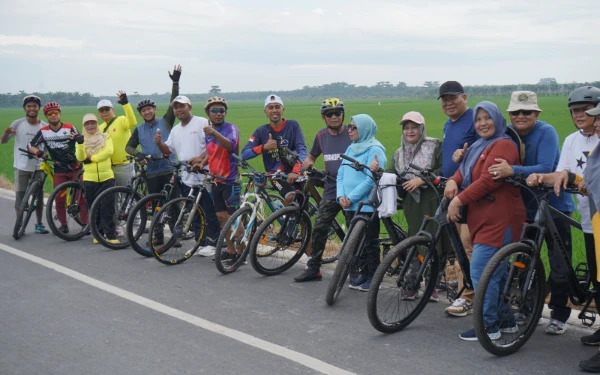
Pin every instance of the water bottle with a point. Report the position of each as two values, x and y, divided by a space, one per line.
277 205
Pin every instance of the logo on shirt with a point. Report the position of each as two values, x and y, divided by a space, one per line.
252 139
331 157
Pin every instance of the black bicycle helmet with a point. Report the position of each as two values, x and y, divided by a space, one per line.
32 99
145 103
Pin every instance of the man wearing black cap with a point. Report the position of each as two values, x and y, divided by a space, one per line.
459 133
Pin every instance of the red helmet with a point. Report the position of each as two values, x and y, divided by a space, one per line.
51 107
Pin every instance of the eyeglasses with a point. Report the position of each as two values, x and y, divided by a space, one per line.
525 113
352 127
90 123
217 110
104 109
330 114
52 113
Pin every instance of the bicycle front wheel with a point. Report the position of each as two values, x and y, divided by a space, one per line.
138 236
66 211
28 206
513 290
239 231
280 241
402 284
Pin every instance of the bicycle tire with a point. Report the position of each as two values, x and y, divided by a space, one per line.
26 209
159 222
94 213
71 211
255 256
342 269
222 265
400 251
134 238
535 295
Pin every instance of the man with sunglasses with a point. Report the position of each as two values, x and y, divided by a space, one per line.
24 129
272 141
541 156
119 129
59 139
330 141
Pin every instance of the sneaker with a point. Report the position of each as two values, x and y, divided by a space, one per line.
492 331
364 287
556 327
63 229
207 251
95 242
593 339
508 326
409 295
41 229
435 296
227 258
113 241
468 335
310 274
592 364
360 279
460 307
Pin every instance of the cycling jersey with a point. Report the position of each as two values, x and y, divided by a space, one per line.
220 161
119 129
99 169
60 147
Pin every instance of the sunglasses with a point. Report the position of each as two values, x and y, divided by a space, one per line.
52 113
337 113
352 127
217 110
516 113
104 109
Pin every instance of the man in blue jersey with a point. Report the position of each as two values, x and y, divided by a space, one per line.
272 141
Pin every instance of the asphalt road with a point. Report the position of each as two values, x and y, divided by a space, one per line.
79 308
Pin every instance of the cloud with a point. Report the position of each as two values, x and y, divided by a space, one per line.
40 41
318 11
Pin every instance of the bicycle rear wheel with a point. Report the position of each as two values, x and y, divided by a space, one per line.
402 284
138 236
342 269
70 198
280 241
516 314
179 242
28 205
240 231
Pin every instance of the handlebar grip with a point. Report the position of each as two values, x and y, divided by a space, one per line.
237 157
416 167
219 177
348 158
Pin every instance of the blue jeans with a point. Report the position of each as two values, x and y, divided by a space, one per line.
493 308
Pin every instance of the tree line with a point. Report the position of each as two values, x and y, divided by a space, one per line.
383 89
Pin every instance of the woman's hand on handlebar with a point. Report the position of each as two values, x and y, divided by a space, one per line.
454 210
451 189
413 184
374 167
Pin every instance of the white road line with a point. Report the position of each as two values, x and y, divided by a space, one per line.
255 342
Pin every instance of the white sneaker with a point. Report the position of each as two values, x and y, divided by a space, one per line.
460 307
207 251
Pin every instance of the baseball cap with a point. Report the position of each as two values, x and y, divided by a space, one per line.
413 116
594 111
104 103
89 117
451 88
525 100
273 99
181 99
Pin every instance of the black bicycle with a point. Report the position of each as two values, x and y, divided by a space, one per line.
67 211
355 242
521 292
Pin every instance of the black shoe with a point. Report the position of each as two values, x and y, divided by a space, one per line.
592 340
63 229
310 274
592 364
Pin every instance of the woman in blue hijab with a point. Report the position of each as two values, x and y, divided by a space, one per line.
354 186
494 222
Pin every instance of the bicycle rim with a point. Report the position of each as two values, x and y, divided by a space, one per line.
237 230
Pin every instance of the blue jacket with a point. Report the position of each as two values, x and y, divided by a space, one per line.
358 185
144 135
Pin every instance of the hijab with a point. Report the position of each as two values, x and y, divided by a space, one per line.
419 153
474 152
93 143
367 128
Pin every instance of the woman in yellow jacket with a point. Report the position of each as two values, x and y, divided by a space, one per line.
95 149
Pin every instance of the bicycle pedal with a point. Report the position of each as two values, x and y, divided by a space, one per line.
587 318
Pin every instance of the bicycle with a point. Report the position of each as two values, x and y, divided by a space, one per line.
241 225
34 191
179 214
144 211
522 289
123 198
354 243
72 195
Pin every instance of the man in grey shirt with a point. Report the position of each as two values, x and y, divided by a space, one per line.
24 129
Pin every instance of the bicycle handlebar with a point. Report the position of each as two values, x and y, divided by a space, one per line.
547 188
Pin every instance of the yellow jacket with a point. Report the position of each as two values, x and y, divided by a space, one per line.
120 131
100 169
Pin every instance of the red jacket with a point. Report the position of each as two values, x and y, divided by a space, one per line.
487 221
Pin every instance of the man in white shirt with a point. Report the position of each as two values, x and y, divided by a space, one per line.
24 129
187 141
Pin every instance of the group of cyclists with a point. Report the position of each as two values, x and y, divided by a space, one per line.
478 151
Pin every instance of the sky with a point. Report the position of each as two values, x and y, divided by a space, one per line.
256 45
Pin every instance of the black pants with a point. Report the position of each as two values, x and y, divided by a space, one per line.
370 257
558 281
105 217
590 254
328 209
213 228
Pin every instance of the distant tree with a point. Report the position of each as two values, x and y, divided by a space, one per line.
214 90
401 85
431 84
547 82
